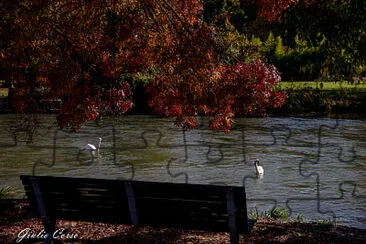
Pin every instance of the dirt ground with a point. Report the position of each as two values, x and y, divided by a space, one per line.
18 224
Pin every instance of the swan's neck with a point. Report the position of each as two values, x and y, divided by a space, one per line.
100 142
258 169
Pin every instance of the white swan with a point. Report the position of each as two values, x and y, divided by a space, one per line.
92 148
258 169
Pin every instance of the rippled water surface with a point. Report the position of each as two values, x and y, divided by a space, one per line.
316 167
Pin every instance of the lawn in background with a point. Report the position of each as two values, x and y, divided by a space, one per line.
293 85
298 85
4 92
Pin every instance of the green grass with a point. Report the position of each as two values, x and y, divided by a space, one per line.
7 192
276 213
293 85
282 214
4 92
298 85
300 219
329 222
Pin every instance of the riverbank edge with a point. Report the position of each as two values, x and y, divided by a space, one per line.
16 216
304 101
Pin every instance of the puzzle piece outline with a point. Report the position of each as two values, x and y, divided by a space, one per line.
319 199
273 129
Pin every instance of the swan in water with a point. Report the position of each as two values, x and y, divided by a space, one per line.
92 148
258 169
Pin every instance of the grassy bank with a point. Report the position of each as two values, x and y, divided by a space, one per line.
326 86
294 85
322 98
323 102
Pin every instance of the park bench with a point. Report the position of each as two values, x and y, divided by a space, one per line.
215 208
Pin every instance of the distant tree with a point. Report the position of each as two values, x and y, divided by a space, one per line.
279 50
337 27
270 44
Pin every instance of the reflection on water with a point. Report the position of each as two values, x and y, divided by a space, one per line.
316 167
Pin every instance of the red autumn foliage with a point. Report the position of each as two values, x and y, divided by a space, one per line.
271 10
239 89
82 52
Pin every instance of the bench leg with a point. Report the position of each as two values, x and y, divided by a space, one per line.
131 203
49 227
234 237
48 223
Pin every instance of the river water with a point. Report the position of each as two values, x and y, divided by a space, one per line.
316 167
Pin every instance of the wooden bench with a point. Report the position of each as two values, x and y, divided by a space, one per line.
187 206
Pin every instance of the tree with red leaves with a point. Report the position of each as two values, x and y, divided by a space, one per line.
86 52
271 10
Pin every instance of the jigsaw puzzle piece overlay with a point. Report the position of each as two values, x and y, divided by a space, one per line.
124 149
208 152
298 142
23 138
20 146
235 155
156 153
351 195
204 153
280 169
8 127
339 152
69 157
329 166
